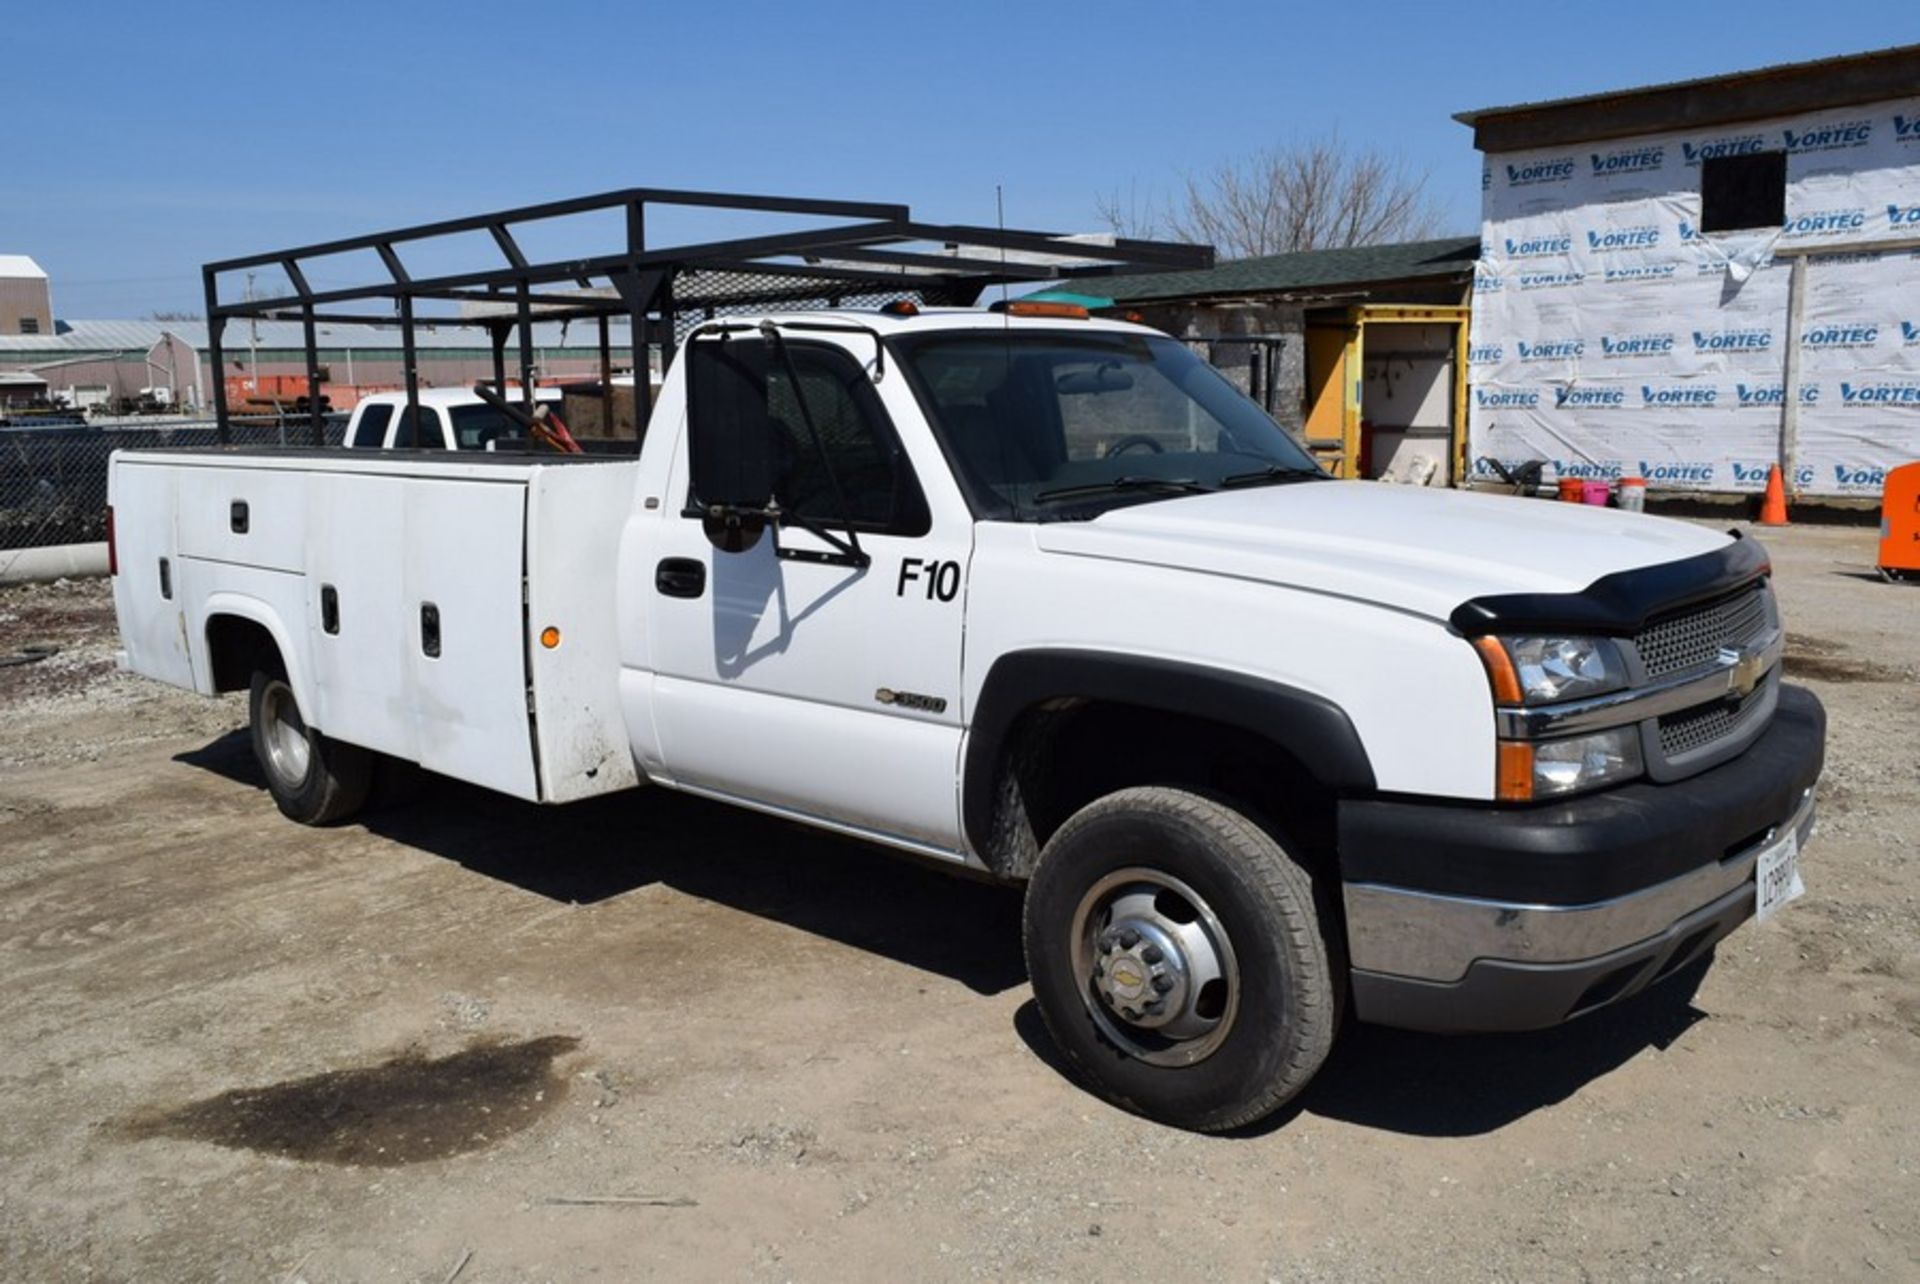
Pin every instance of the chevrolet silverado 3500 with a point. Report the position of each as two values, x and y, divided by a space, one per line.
1044 598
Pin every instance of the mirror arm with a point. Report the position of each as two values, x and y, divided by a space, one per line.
847 551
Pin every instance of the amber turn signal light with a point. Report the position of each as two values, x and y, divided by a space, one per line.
1515 772
549 637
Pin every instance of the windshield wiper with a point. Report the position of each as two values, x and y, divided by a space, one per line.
1171 485
1272 473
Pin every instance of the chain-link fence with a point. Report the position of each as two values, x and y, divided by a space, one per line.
53 480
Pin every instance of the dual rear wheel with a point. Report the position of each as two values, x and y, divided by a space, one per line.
313 778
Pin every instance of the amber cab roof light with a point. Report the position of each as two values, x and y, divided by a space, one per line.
1041 308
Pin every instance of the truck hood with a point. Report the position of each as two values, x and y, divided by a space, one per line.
1414 549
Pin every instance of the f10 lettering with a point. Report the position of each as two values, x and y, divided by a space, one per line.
940 581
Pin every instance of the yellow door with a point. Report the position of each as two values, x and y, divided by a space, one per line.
1328 352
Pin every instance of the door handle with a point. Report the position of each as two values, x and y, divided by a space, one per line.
680 577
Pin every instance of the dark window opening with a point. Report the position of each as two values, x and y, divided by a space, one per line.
29 325
742 380
372 429
1739 192
428 437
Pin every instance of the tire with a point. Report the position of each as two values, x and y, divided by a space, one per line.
1135 900
314 780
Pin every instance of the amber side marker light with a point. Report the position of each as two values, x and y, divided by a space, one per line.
549 637
1506 683
1513 768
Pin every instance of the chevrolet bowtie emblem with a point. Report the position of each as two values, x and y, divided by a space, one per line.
1747 667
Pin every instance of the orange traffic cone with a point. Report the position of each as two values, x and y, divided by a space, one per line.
1773 509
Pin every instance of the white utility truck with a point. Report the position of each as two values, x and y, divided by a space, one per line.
1041 597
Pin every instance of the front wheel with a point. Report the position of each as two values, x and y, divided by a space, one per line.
314 779
1178 959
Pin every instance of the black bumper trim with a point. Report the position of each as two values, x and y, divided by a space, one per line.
1594 848
1500 996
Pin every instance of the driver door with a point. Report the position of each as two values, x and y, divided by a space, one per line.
784 676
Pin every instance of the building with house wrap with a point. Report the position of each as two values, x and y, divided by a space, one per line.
1692 283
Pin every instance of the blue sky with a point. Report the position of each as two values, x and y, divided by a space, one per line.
149 138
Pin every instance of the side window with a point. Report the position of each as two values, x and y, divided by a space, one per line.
372 428
742 381
427 436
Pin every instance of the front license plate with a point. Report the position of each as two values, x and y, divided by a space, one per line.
1776 876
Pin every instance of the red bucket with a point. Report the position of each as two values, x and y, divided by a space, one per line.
1572 490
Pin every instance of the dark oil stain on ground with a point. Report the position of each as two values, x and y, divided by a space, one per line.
402 1111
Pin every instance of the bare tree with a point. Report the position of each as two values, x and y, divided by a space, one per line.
1314 195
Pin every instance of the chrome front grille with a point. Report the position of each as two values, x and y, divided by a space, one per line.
1697 640
1706 724
1693 638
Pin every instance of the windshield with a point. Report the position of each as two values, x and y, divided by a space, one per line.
1045 425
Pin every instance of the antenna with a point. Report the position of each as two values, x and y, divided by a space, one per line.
1003 431
1000 213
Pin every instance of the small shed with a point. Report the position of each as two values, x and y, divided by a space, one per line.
1362 351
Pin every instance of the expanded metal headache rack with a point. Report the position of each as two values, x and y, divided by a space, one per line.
873 254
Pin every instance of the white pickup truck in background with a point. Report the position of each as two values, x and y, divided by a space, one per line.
1044 598
448 419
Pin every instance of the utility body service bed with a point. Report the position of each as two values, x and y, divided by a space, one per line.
401 545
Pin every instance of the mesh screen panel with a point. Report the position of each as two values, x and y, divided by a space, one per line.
1693 638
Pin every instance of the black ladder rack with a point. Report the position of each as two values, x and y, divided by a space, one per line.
873 252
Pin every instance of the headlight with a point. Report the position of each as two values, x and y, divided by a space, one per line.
1573 764
1542 670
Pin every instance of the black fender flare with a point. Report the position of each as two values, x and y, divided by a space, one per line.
1310 727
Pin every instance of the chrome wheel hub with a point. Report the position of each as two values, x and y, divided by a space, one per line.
1155 967
288 753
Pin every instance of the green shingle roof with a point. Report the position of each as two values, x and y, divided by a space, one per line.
1308 270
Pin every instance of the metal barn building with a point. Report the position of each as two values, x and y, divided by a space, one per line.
1695 282
89 362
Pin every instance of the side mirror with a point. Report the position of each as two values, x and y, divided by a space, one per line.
730 441
733 530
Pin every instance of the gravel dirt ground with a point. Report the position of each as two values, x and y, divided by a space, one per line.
474 1039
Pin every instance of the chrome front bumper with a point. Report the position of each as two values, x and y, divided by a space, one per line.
1468 917
1431 937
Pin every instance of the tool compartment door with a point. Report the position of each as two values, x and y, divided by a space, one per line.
465 627
147 598
357 615
575 515
249 516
